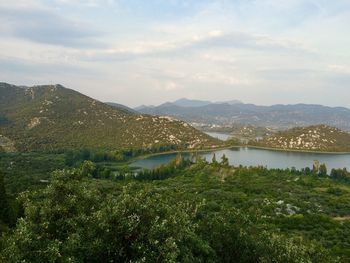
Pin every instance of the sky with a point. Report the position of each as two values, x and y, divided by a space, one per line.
137 52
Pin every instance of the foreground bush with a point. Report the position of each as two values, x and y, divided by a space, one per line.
73 220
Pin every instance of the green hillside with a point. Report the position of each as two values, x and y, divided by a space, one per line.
312 138
52 117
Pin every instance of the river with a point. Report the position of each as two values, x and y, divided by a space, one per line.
254 157
219 135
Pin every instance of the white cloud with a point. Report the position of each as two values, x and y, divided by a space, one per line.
266 51
342 69
45 25
88 3
172 86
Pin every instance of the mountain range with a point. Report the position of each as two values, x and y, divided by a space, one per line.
52 117
275 116
188 103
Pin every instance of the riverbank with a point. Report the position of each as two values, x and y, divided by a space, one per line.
237 146
253 157
141 157
293 150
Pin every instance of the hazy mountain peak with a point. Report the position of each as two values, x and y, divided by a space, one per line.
231 102
184 102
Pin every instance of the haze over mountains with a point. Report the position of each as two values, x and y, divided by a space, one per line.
53 117
184 102
235 112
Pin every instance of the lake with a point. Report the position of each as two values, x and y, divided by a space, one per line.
219 135
254 157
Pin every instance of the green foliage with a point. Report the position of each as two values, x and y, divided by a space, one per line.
312 138
88 169
213 160
164 171
335 191
323 170
224 161
340 174
180 212
27 171
71 220
4 203
51 118
234 237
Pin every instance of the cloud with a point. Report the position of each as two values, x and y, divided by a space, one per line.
172 86
266 51
212 40
245 40
43 25
341 69
88 3
25 66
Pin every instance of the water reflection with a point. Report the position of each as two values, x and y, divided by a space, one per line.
254 157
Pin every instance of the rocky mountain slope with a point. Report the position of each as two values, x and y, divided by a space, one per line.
53 117
276 116
313 138
121 107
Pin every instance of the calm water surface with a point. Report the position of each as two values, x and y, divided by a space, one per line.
255 157
219 135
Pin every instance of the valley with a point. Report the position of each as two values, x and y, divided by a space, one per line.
176 131
74 168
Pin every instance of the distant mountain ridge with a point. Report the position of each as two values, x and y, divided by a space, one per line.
52 117
188 103
191 103
121 107
275 116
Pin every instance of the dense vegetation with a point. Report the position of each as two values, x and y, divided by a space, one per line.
312 138
47 118
187 211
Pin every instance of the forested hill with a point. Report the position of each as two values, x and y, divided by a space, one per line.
314 138
53 117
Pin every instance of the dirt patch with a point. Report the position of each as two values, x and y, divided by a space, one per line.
341 218
6 144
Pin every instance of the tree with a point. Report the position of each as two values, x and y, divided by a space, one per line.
224 160
4 204
316 167
307 171
322 170
200 160
213 160
340 174
69 158
192 157
85 154
88 168
178 161
73 221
